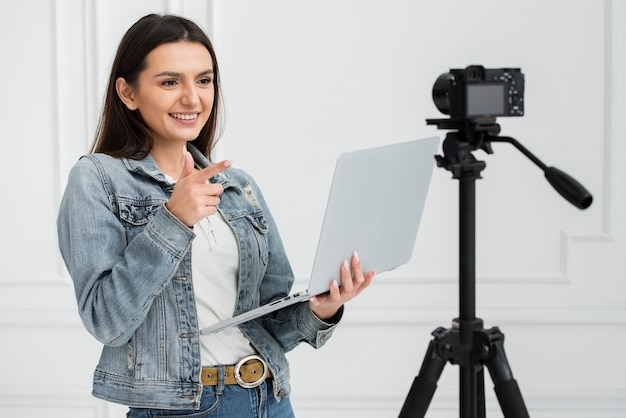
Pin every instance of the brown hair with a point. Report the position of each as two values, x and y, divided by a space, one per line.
122 132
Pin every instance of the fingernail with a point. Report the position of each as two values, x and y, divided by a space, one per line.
356 257
346 265
228 163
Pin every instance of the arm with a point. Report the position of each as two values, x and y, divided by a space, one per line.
115 281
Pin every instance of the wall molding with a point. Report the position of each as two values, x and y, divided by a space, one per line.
383 317
387 403
51 398
49 280
611 116
562 276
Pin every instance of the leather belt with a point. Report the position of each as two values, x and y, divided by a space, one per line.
248 373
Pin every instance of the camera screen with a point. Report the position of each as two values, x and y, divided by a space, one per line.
485 99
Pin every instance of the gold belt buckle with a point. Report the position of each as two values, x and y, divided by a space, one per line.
250 385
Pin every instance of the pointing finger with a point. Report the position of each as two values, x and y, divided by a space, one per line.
213 169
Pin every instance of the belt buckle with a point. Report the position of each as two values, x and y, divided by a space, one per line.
250 385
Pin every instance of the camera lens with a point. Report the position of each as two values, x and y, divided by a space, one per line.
441 92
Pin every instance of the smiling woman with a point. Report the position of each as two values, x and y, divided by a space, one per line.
158 54
145 283
174 96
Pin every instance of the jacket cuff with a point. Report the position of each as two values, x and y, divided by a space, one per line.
170 232
317 330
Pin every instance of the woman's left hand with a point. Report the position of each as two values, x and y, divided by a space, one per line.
353 281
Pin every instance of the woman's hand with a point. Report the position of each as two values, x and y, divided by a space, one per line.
193 198
352 283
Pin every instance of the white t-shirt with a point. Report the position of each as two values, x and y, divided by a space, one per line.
215 269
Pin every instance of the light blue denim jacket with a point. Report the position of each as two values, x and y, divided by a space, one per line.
130 261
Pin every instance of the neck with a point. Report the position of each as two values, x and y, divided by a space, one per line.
170 160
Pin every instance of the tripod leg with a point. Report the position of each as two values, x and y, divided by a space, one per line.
424 385
480 396
506 388
472 391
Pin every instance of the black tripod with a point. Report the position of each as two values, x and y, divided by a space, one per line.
467 343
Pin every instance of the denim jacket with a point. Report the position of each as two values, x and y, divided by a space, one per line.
130 261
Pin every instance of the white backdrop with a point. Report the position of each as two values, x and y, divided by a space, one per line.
304 81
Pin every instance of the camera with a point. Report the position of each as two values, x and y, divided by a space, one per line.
479 93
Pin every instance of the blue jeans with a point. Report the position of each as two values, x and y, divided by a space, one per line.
228 401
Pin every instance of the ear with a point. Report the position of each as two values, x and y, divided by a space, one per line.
125 93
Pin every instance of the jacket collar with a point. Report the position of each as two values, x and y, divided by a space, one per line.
149 168
146 167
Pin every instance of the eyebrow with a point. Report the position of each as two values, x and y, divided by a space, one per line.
175 74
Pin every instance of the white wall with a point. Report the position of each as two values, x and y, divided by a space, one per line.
304 81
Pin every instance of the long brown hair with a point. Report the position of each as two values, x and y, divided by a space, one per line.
122 132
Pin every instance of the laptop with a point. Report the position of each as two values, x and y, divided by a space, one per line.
375 205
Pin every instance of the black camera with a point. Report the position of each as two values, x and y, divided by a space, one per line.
478 93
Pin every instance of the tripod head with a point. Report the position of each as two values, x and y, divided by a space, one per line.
473 134
458 146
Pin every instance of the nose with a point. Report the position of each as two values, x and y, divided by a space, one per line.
189 95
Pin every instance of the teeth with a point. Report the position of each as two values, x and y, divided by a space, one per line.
184 117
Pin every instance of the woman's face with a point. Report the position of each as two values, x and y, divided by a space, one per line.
174 93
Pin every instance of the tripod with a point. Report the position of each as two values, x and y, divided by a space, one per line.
467 343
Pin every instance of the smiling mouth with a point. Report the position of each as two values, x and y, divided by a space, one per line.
185 116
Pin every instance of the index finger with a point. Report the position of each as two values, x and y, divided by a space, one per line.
213 169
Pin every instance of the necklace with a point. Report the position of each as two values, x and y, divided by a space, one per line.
208 232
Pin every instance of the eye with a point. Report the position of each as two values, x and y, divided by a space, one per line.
205 81
169 83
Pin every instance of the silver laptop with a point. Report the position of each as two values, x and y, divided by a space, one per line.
375 206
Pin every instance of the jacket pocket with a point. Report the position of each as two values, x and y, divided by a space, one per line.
137 212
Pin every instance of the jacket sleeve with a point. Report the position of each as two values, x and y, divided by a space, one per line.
115 281
297 323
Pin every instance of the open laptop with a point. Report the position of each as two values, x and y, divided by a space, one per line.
375 206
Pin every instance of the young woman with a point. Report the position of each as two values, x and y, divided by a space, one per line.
160 243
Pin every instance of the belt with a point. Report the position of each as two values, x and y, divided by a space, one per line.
248 373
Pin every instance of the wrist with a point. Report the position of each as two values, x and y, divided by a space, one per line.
328 316
177 217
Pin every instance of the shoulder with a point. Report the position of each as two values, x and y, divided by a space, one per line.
94 169
91 162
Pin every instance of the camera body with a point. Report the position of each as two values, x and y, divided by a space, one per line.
479 93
